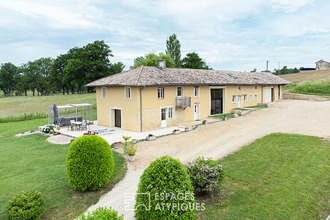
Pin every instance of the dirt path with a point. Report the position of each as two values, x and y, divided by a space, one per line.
220 139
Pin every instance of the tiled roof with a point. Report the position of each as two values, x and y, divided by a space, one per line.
153 76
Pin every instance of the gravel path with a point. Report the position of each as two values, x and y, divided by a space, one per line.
220 139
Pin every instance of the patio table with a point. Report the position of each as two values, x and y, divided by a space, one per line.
77 124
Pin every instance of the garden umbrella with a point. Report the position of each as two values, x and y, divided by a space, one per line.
56 119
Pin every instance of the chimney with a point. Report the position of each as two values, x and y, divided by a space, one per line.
162 64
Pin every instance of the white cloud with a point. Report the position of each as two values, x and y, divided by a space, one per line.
236 35
289 5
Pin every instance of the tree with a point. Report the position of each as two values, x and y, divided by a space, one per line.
7 82
116 68
193 61
173 47
151 59
254 70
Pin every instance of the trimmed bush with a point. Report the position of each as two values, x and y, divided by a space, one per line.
89 163
167 185
25 206
101 213
205 174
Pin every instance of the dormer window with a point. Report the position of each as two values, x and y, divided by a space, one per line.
239 88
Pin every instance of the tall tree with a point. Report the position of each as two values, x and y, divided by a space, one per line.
173 47
193 61
7 82
151 59
116 67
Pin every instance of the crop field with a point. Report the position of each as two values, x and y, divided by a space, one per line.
307 76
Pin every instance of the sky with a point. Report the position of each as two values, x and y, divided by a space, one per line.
228 34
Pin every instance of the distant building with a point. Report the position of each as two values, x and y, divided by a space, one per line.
303 69
322 65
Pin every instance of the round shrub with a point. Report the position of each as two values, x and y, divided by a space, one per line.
25 206
167 186
89 163
101 213
205 174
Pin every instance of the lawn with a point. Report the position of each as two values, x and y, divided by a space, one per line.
319 88
31 162
228 115
17 106
280 176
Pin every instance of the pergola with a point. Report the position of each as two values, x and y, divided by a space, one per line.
76 112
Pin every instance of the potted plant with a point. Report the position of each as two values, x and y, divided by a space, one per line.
151 137
186 129
176 131
116 144
224 118
131 151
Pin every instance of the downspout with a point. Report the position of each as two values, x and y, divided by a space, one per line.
141 108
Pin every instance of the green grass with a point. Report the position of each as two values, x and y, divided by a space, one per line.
243 109
228 115
257 106
30 162
280 176
319 87
15 107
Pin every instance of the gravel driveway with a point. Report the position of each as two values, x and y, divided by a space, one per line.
220 139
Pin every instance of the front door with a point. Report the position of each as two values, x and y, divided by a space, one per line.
239 102
196 112
163 117
118 118
216 101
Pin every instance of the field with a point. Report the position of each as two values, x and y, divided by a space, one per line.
18 106
307 76
31 162
280 176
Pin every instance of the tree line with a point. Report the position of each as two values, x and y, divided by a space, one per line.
284 70
173 57
68 73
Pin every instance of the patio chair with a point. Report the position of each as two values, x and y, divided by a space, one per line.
87 123
72 126
83 126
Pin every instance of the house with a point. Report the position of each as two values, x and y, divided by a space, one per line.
147 98
322 65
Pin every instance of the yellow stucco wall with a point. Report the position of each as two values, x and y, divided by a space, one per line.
151 114
115 99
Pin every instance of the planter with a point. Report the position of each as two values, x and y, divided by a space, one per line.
186 129
150 138
176 132
224 119
116 145
131 158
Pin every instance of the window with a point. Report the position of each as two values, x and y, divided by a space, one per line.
179 91
251 96
128 92
255 87
170 113
104 92
256 97
196 91
245 98
160 93
233 100
239 88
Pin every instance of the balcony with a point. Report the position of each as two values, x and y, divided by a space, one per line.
183 102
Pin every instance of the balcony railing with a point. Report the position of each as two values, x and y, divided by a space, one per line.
183 102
